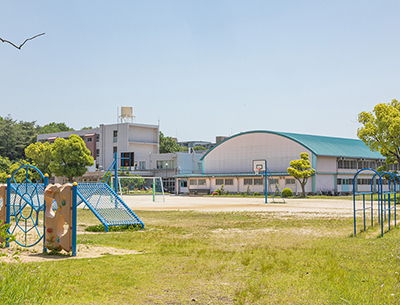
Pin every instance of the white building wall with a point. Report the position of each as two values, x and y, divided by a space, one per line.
237 154
326 164
325 182
148 144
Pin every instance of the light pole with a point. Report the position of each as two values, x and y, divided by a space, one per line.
166 173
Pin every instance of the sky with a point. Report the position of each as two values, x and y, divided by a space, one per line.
201 68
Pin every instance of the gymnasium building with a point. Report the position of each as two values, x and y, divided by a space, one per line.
231 163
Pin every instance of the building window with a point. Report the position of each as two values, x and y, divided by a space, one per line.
183 183
290 181
193 181
97 138
115 149
88 140
272 181
258 181
115 136
127 159
219 181
248 181
97 153
142 164
228 181
165 164
198 166
202 181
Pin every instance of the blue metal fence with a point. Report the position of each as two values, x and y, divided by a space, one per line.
382 200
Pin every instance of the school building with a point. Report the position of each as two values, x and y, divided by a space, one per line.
231 163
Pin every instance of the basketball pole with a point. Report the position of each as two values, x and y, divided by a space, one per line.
266 181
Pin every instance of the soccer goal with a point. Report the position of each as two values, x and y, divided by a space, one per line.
151 186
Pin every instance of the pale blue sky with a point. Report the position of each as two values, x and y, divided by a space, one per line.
204 68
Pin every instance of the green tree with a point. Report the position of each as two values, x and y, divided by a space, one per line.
168 145
8 138
301 170
199 148
20 175
70 157
25 135
40 153
5 164
381 130
53 127
136 183
15 137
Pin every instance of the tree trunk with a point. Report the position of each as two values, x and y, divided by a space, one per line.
303 189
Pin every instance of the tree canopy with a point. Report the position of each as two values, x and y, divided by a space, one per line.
14 137
168 145
70 157
40 153
53 127
381 130
301 170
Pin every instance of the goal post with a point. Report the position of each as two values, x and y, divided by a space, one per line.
128 185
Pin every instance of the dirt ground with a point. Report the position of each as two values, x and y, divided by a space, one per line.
214 203
327 207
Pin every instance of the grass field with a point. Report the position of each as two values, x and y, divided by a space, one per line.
219 258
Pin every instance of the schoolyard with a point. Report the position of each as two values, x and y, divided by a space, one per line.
215 250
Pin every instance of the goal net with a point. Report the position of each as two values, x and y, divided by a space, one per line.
150 186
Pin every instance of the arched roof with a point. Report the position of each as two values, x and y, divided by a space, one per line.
320 145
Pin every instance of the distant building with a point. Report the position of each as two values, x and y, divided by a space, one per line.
192 144
122 138
167 166
335 160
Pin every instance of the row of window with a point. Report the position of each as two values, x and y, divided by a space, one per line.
199 181
345 181
246 181
88 139
354 164
165 164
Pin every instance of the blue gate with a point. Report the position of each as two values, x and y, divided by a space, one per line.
25 199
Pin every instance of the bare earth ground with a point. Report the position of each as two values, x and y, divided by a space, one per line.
322 207
215 203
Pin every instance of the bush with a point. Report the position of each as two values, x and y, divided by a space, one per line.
217 191
248 191
227 192
256 194
222 192
287 193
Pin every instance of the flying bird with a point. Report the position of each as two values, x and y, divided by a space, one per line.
19 47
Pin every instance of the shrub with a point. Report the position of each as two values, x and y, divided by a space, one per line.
222 192
287 192
248 192
217 191
256 194
227 192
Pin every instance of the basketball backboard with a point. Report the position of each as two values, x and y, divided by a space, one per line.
259 166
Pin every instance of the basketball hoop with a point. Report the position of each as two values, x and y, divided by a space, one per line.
256 170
